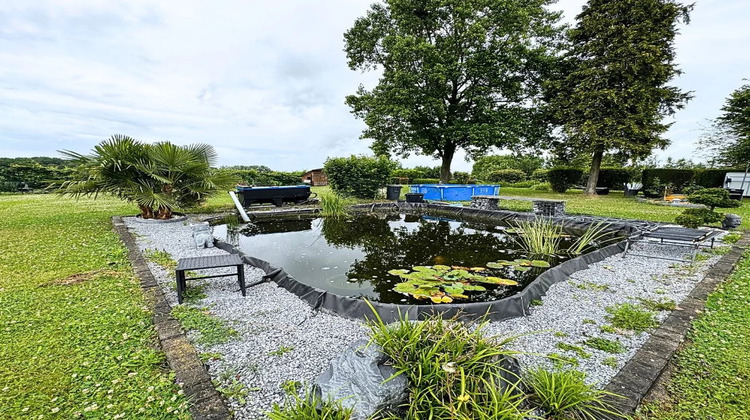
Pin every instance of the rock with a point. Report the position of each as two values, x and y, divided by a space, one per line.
357 376
731 221
203 235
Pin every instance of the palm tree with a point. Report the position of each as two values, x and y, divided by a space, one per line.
157 177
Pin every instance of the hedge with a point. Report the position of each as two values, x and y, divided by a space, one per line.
507 175
409 174
563 178
615 178
425 181
712 178
273 178
358 176
678 178
540 175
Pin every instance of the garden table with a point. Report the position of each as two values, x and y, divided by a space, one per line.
203 263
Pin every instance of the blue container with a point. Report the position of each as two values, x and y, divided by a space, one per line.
454 192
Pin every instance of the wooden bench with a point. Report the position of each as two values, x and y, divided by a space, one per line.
540 206
203 263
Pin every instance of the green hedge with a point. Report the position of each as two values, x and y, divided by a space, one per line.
409 174
426 181
615 178
539 175
273 178
712 178
563 178
509 176
358 176
678 178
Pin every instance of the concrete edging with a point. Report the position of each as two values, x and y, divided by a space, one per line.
643 370
205 402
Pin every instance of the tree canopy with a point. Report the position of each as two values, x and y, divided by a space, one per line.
728 139
613 92
456 74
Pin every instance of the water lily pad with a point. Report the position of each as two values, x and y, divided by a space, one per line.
540 263
441 267
458 296
453 290
398 272
478 269
498 280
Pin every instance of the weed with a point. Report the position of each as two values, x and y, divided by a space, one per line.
282 350
559 361
587 285
589 321
211 329
291 387
731 238
607 329
575 349
560 334
536 302
610 362
234 390
160 257
564 394
627 316
658 305
605 345
206 356
194 293
309 407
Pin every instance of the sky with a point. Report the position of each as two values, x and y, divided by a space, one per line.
263 82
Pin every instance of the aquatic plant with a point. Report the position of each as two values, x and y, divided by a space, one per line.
333 205
539 236
519 264
594 233
443 283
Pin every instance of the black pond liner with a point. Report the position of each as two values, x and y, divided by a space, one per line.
496 310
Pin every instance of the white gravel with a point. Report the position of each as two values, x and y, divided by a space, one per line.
270 318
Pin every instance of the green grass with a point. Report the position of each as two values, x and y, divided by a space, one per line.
160 257
76 337
578 350
712 375
658 305
605 345
211 330
627 316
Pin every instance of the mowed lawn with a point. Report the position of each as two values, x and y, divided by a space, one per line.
77 337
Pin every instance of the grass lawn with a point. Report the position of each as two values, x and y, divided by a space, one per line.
77 339
712 379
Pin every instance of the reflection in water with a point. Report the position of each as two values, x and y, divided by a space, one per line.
352 257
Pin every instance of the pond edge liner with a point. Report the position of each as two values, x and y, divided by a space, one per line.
204 401
496 310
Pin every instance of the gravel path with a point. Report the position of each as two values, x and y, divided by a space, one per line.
281 339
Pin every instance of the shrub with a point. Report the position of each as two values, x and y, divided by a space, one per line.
358 176
409 174
563 178
428 172
539 175
542 186
522 184
615 178
506 175
461 177
688 221
713 197
677 178
564 394
426 181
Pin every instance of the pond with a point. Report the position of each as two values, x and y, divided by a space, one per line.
396 258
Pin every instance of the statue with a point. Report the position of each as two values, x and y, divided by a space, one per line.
203 235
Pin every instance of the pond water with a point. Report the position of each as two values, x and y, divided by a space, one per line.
353 257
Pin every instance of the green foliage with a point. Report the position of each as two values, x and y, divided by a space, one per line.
454 369
615 178
711 178
257 177
35 173
522 184
627 316
433 97
408 174
713 197
462 177
595 232
485 165
539 175
506 176
333 205
428 172
689 221
728 139
677 179
282 350
658 305
610 362
157 177
561 179
443 284
539 236
613 94
358 176
565 395
605 345
76 334
543 186
710 376
578 350
731 238
608 329
694 218
161 257
211 329
560 361
426 181
309 407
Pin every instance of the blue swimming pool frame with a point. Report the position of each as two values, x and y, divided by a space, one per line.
454 192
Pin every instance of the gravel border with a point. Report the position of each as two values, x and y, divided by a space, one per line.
282 339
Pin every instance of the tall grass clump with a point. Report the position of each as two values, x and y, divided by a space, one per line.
455 372
594 233
333 205
565 395
539 236
309 407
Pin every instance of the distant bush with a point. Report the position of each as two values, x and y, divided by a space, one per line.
713 197
563 178
615 178
428 172
522 184
693 218
409 174
270 178
674 179
540 175
358 176
542 186
507 176
426 181
462 177
711 178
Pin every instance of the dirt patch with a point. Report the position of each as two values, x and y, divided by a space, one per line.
79 278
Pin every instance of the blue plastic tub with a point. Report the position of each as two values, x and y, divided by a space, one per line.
454 192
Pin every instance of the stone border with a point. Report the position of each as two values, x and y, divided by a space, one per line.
205 402
639 375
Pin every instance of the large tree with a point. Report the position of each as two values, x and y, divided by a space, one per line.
728 139
613 94
456 74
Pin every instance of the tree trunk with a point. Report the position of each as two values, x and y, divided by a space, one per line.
596 163
445 167
146 212
165 213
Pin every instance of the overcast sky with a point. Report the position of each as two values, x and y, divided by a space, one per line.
263 82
